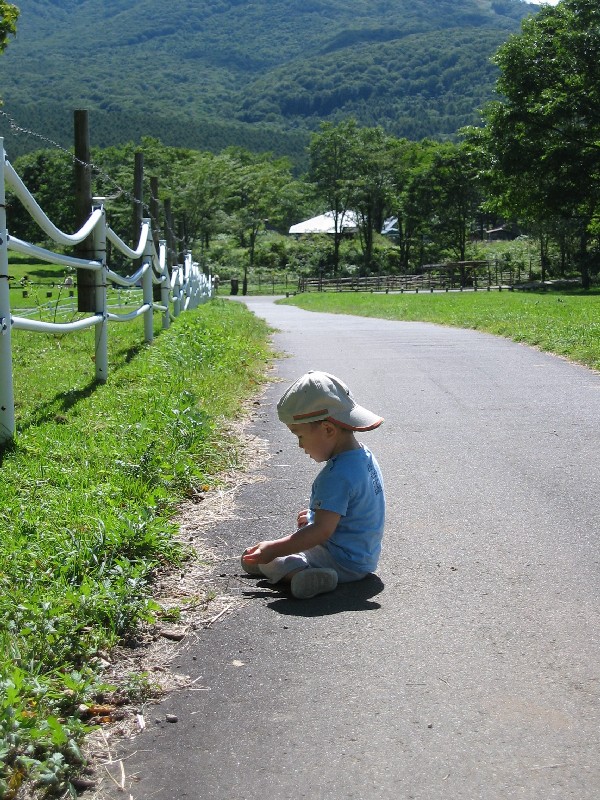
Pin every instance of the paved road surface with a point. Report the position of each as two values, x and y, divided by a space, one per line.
469 668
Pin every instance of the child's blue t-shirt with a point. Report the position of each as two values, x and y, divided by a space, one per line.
350 484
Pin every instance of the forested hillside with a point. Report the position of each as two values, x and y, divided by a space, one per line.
263 73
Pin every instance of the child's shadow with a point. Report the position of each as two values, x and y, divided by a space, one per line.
354 596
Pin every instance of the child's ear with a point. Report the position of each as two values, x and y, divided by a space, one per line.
330 428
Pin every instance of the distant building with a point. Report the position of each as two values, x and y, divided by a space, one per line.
502 234
325 223
390 228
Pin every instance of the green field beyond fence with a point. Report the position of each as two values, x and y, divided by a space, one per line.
46 288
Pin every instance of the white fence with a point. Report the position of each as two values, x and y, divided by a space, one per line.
182 287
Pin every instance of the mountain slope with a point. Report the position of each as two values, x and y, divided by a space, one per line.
417 67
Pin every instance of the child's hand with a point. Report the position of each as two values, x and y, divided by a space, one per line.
260 553
304 517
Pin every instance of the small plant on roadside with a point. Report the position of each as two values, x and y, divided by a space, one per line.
138 688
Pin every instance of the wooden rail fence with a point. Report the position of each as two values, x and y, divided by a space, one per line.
435 277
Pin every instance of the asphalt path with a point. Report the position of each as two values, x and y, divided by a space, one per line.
469 666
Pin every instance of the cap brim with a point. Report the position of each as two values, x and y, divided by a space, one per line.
359 419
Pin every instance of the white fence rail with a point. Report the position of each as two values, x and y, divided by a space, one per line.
182 287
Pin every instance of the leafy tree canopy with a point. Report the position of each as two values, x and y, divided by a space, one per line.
542 139
8 22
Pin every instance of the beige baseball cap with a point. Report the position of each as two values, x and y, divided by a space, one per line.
319 395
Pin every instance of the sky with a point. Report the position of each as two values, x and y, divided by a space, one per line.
545 2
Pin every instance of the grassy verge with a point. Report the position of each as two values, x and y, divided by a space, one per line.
87 496
566 323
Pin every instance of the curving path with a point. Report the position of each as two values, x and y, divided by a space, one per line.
470 668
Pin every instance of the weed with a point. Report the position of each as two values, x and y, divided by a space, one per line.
138 688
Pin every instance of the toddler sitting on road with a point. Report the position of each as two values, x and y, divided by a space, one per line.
338 538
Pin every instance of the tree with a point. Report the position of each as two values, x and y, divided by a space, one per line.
370 185
417 201
205 197
8 22
48 174
176 169
456 198
333 169
258 182
542 139
436 198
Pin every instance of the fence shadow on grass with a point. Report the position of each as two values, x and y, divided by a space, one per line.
6 448
129 353
53 410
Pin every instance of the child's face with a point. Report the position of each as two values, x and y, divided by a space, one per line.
316 439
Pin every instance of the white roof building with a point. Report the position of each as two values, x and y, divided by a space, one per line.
390 227
325 223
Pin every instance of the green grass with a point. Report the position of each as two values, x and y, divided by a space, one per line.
88 492
565 323
30 281
39 288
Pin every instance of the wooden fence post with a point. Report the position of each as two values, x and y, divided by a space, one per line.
180 242
173 269
86 279
7 400
138 201
157 288
170 236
